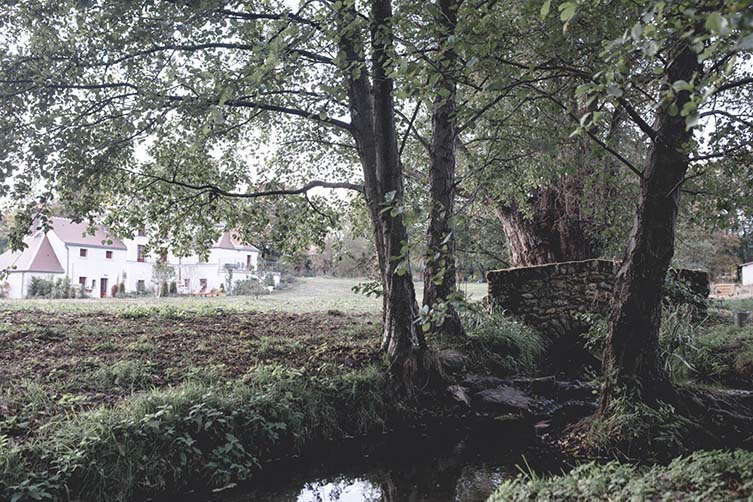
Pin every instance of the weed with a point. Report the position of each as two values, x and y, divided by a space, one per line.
504 345
125 374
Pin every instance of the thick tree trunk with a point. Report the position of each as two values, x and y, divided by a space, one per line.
631 359
440 273
555 231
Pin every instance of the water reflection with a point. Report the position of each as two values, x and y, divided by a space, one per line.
455 466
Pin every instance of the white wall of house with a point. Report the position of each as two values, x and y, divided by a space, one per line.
137 271
747 275
94 268
18 282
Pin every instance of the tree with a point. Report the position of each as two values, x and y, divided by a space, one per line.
197 79
440 273
677 64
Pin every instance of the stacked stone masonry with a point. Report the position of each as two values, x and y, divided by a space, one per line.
557 298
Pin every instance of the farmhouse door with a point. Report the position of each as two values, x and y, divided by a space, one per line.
103 287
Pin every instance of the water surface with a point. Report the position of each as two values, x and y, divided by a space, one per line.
445 466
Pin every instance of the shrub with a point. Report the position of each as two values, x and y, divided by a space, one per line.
249 287
51 288
114 290
121 289
173 288
164 289
269 280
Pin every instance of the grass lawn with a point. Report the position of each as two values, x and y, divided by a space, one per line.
310 294
59 357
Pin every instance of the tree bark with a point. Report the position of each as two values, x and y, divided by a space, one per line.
373 127
631 359
440 272
556 230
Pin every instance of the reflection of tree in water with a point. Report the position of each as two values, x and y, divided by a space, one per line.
442 479
428 481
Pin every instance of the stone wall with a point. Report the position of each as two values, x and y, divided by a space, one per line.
552 297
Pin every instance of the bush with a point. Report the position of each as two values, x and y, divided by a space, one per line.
51 288
121 289
702 476
164 289
114 290
173 288
249 287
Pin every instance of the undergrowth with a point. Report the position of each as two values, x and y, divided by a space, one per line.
694 350
195 434
498 344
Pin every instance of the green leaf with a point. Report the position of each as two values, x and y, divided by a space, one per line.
545 9
682 85
637 31
567 11
614 91
745 43
691 120
717 24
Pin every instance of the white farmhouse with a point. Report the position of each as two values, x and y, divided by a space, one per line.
96 261
100 261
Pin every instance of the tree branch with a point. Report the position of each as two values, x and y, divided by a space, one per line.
636 117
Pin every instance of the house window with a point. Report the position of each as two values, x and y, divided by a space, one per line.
140 286
83 252
248 261
108 255
140 253
203 284
186 282
82 281
94 283
142 232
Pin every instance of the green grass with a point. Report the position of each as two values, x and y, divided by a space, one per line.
702 477
310 294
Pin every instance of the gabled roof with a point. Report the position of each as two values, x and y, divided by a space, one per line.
78 234
38 256
229 241
225 242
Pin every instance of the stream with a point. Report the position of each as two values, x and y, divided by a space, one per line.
447 464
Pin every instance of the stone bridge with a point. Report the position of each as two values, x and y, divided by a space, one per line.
553 297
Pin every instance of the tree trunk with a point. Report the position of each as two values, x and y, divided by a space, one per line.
631 359
440 273
373 127
403 340
556 230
